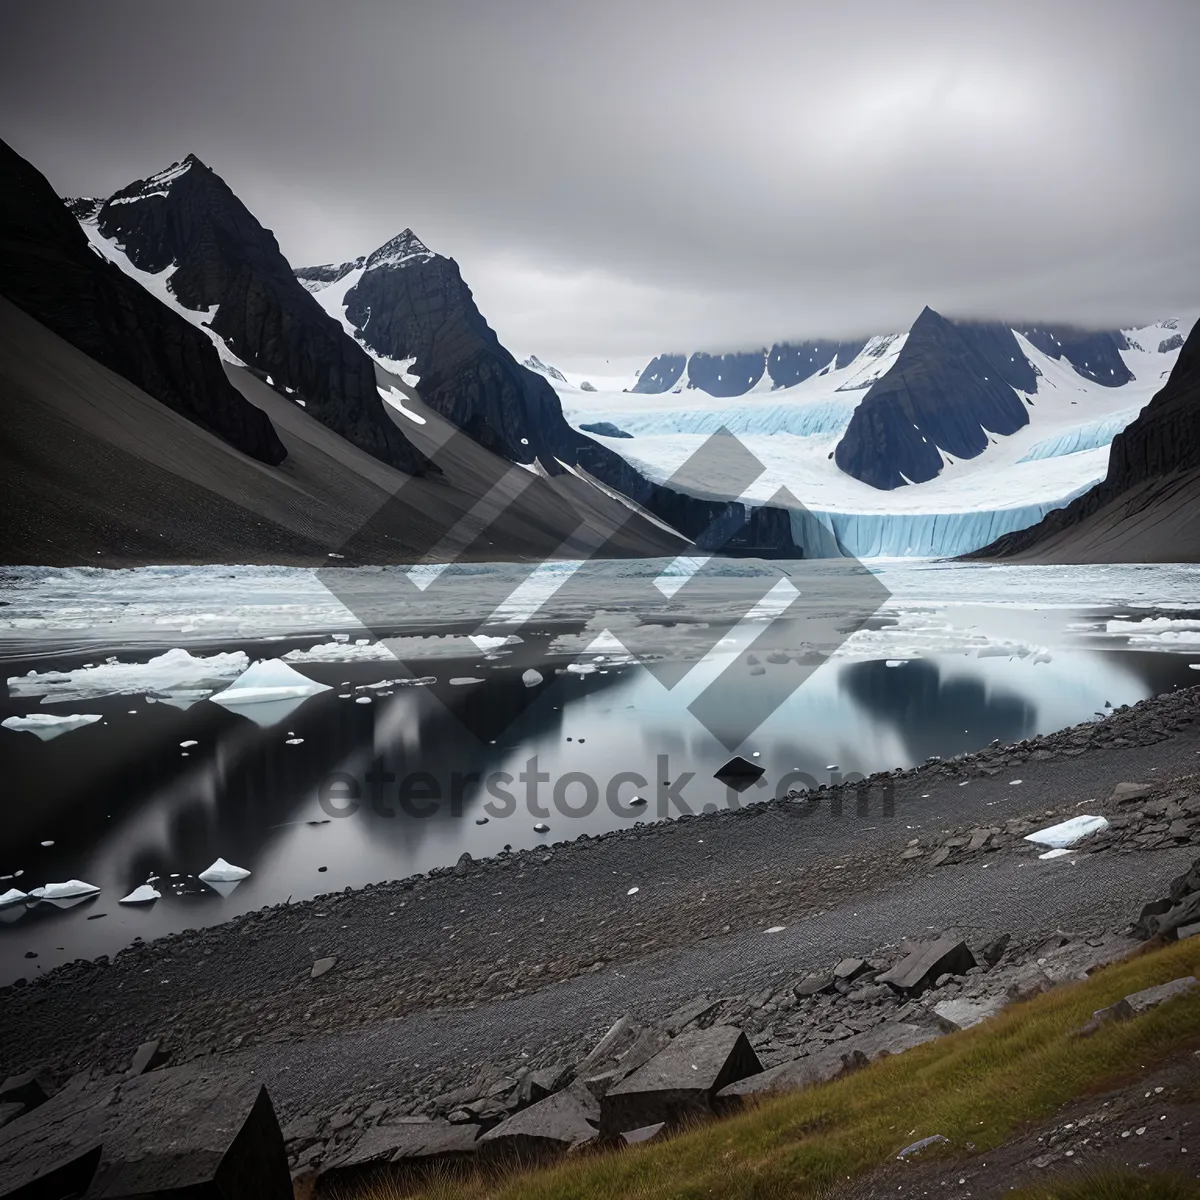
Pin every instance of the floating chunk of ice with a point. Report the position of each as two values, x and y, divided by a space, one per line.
461 680
64 891
266 680
531 678
169 672
223 872
339 650
12 896
145 894
190 742
1067 833
48 725
1058 853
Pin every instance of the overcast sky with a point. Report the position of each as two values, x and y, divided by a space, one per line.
627 176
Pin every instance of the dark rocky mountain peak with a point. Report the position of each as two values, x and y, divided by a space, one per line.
49 269
404 248
951 386
83 208
228 265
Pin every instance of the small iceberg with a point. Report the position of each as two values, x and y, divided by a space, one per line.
268 692
1067 833
12 896
267 680
142 895
531 678
72 889
223 872
48 725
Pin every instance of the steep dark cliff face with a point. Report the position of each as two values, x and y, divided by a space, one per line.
726 374
412 304
1160 446
1094 355
661 374
225 260
785 364
951 386
48 269
790 363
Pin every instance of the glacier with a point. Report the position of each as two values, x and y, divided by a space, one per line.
910 534
1092 436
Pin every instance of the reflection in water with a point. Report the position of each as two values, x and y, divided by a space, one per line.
122 800
935 715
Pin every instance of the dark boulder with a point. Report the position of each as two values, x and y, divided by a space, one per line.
739 771
552 1126
920 969
679 1082
173 1133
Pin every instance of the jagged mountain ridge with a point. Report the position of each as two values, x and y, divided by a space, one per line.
48 269
412 309
951 386
783 365
221 261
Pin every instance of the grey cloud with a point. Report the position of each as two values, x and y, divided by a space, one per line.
620 178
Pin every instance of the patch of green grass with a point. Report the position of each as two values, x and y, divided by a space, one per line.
978 1088
1115 1185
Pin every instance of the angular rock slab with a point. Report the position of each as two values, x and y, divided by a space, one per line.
680 1081
961 1013
174 1133
650 1133
30 1089
409 1143
916 972
893 1037
550 1127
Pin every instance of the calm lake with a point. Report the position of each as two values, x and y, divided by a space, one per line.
459 716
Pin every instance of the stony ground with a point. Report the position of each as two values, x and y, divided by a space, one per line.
475 973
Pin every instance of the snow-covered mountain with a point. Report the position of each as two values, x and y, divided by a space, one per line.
48 269
187 239
935 441
412 311
1145 509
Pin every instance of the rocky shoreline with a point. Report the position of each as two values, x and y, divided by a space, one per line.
496 934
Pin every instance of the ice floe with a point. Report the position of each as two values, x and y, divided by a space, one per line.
49 725
64 891
341 650
145 894
1067 833
12 896
168 672
531 678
